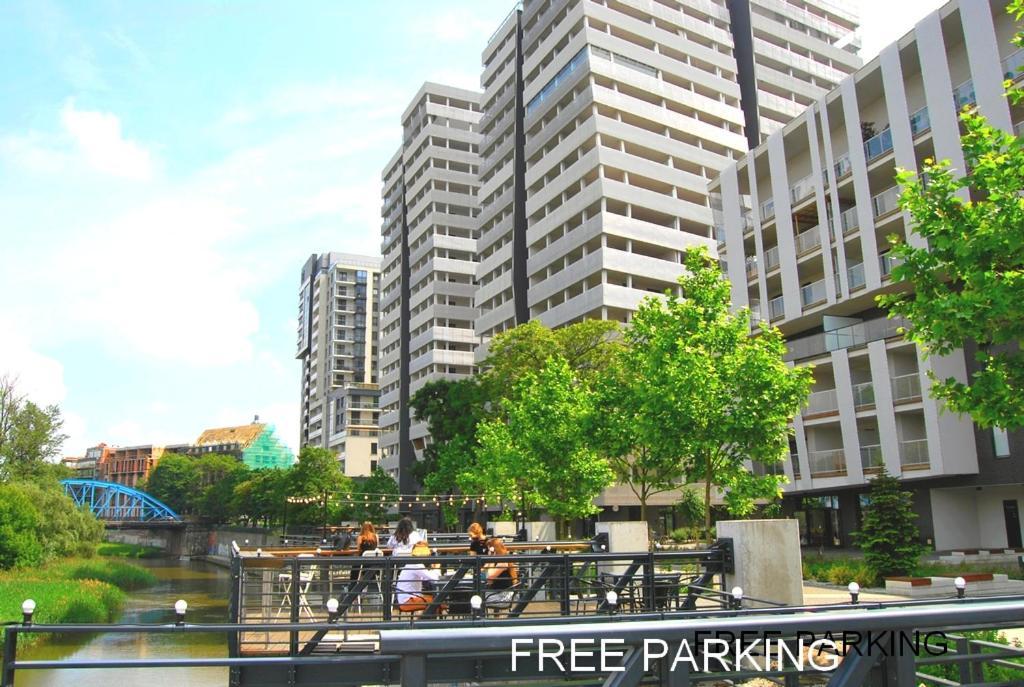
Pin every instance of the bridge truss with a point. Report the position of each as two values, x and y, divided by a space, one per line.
117 503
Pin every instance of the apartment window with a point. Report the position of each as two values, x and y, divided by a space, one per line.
373 466
1000 442
373 449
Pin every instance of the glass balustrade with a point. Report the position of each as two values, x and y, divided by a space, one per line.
914 453
886 262
813 293
855 276
863 332
871 457
824 401
963 95
842 166
863 395
767 209
920 122
776 308
771 258
878 145
751 267
808 240
801 189
848 220
1012 66
885 202
828 462
906 387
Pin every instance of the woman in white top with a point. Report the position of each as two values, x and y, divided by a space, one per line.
404 538
409 589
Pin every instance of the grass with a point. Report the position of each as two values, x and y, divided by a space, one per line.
842 571
113 549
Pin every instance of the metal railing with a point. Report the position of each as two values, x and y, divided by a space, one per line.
863 395
963 95
776 308
914 453
819 402
751 264
767 209
920 122
864 332
886 261
848 220
481 650
871 457
906 387
842 166
813 293
801 189
808 240
878 145
855 276
828 462
771 258
885 202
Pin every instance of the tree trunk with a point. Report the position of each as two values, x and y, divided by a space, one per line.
643 515
707 502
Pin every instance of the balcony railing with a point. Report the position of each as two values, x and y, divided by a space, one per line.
776 308
914 453
748 221
808 240
855 276
755 313
794 462
1012 66
771 258
886 262
813 293
871 457
767 209
878 145
831 462
751 267
842 166
863 395
801 189
963 95
885 202
906 387
863 332
920 122
848 220
820 402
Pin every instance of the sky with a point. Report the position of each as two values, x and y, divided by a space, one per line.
167 168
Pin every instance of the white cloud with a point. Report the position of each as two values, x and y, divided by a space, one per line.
39 377
97 137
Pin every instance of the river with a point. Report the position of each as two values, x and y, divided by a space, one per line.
205 588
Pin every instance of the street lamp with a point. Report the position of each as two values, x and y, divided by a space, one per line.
737 598
612 599
854 590
180 606
332 610
961 587
28 607
476 602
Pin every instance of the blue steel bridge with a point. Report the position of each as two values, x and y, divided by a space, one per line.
116 503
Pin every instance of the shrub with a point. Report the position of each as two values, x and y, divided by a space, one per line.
121 575
991 673
19 523
889 535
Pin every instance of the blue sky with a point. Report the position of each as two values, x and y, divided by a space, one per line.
165 170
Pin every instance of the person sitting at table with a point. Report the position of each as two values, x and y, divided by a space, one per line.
411 596
366 541
500 575
477 540
404 539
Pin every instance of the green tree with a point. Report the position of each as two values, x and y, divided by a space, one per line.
19 522
318 476
713 396
967 286
888 535
261 497
176 481
66 529
619 431
542 446
451 409
29 434
373 487
219 475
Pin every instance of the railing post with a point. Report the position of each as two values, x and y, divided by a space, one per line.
386 572
414 670
566 590
963 647
650 592
10 654
293 616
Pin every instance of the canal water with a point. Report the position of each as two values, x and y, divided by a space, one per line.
204 586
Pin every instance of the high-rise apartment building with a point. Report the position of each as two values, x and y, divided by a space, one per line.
429 237
337 344
806 219
604 121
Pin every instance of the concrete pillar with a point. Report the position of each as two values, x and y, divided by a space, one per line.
767 559
628 536
541 530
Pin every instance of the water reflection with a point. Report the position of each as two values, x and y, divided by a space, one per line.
204 586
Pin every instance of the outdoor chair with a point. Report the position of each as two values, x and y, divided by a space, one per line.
371 577
306 577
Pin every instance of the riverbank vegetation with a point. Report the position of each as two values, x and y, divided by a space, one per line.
118 550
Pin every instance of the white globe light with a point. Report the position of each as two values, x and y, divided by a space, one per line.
853 588
960 583
28 606
180 606
259 552
476 602
737 592
332 605
612 598
318 551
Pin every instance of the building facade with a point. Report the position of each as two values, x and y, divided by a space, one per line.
337 344
254 444
131 465
429 246
805 220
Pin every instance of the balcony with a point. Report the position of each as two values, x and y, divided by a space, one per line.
821 403
807 241
871 457
827 463
914 454
842 166
771 258
813 293
855 276
767 209
801 189
863 395
1012 66
755 313
906 388
863 332
920 122
963 95
794 461
886 202
751 267
886 262
776 308
848 220
878 145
